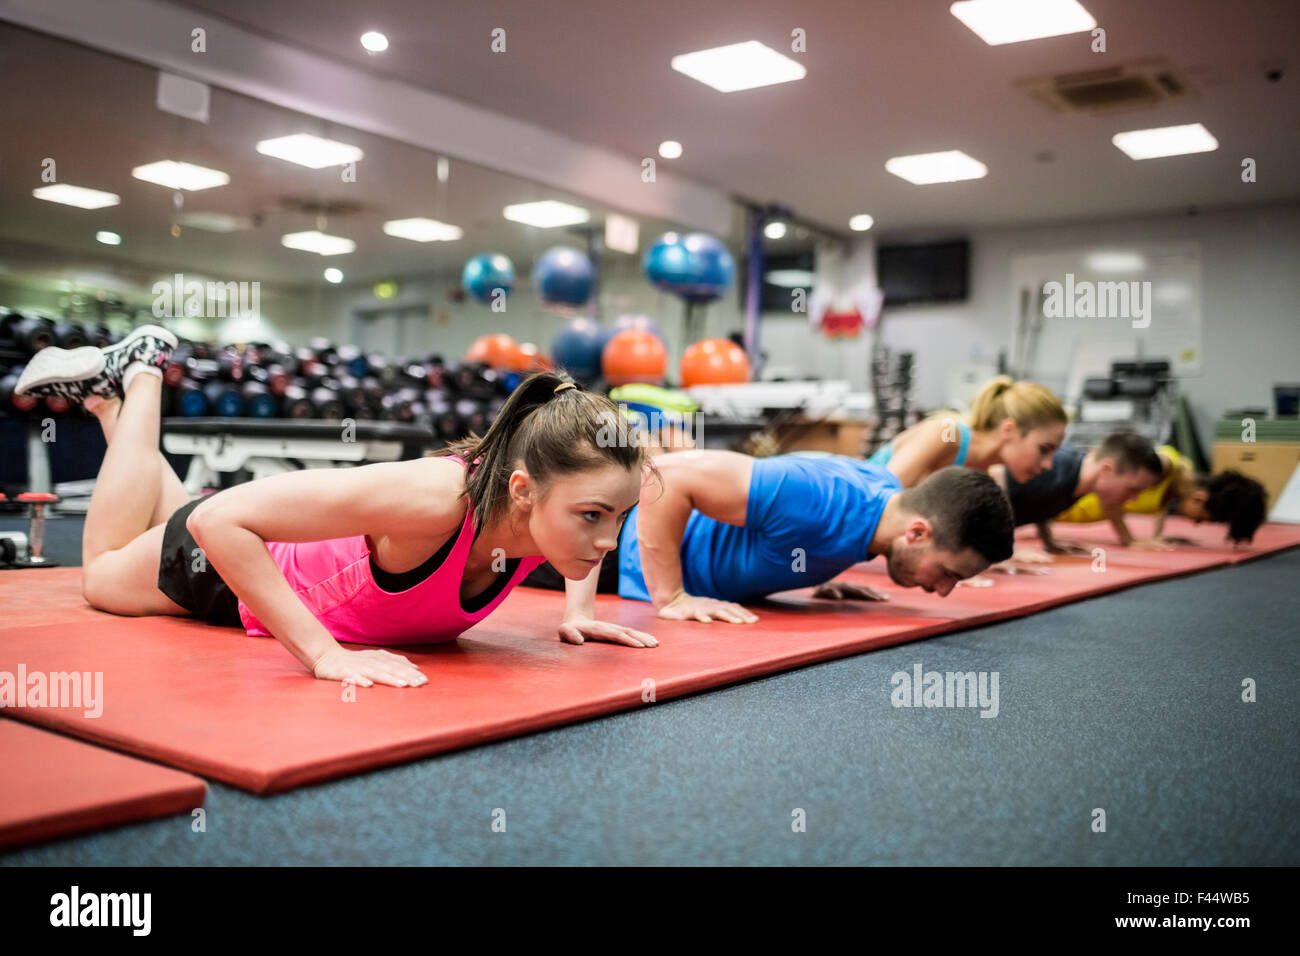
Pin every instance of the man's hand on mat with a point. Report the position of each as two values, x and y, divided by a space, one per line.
843 590
364 668
1030 556
576 630
688 607
1151 544
1060 547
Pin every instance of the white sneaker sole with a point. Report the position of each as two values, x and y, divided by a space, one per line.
128 342
51 365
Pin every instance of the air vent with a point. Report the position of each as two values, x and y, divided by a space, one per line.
315 207
1141 85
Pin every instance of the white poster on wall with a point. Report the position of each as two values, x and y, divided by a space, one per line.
1078 309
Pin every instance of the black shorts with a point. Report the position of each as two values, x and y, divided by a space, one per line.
185 576
545 576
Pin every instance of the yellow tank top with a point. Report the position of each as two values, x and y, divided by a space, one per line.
1088 508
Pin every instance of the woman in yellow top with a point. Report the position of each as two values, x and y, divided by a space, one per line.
1018 425
1229 497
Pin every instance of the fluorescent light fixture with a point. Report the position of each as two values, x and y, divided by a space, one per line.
1012 21
740 66
214 221
1165 141
861 222
318 242
1116 262
78 196
789 278
314 152
670 149
927 168
333 275
774 230
622 234
175 175
374 42
546 214
422 230
108 238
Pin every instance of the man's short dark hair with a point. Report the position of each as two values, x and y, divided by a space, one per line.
966 509
1131 452
1236 499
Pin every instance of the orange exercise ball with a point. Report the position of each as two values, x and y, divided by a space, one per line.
530 358
496 349
714 362
634 355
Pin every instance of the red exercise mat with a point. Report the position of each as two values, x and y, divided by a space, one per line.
55 786
218 703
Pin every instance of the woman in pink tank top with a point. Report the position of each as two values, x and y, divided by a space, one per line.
389 554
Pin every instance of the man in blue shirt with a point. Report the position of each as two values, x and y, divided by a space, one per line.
720 529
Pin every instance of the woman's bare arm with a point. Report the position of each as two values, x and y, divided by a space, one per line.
391 498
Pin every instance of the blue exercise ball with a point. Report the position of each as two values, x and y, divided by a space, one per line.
486 272
578 347
696 266
643 322
564 276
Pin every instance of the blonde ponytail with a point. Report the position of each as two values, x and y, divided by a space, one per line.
1028 404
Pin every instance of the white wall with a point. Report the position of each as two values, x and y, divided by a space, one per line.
1250 307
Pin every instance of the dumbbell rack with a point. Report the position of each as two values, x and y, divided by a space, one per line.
18 550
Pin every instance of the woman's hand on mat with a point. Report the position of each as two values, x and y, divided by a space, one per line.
688 607
843 590
576 630
365 668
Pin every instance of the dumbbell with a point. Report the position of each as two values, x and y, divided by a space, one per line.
224 398
69 335
258 400
191 402
329 405
274 377
324 351
33 334
8 400
230 365
98 335
177 364
297 403
35 556
473 415
351 358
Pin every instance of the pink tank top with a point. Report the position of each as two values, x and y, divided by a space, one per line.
333 579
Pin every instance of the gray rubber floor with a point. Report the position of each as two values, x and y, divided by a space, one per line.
1130 703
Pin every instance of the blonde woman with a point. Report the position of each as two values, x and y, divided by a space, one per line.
1018 425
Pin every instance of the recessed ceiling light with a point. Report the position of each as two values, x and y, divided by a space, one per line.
334 275
670 149
789 278
374 42
861 222
926 168
1166 141
740 66
214 221
422 230
318 242
1012 21
78 196
175 175
774 230
314 152
108 238
546 214
1116 262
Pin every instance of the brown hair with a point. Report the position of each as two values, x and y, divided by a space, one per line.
966 509
1130 452
1028 404
552 426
